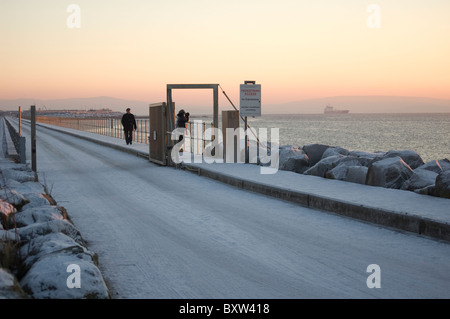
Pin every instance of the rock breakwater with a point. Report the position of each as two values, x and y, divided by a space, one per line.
396 169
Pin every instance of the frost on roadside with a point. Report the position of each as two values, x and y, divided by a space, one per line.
38 242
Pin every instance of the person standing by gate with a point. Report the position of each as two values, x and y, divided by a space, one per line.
182 120
129 124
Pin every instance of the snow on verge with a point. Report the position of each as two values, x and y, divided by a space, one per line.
42 254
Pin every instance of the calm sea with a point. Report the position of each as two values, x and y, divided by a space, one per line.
427 134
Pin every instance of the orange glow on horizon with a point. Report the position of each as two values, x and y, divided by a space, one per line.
295 50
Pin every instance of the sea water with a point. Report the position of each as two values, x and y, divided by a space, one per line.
427 134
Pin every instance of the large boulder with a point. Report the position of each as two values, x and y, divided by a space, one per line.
356 174
390 172
340 170
315 152
421 178
65 275
41 214
51 243
285 153
348 173
298 164
357 161
322 167
37 200
332 151
20 174
437 166
428 190
409 157
13 197
347 169
51 226
26 187
442 186
335 166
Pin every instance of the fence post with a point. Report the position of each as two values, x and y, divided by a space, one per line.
22 150
20 121
140 130
33 138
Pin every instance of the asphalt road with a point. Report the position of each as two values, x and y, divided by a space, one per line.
166 233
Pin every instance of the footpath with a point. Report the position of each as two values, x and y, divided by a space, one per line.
397 209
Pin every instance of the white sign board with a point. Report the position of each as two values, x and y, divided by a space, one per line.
250 100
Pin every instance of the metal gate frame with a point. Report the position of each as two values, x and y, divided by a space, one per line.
167 120
214 87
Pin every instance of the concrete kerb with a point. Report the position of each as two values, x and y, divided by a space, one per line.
399 221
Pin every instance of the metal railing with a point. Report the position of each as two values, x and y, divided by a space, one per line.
104 126
195 138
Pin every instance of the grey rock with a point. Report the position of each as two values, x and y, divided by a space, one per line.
51 243
13 197
410 157
289 151
41 214
437 166
339 172
356 174
52 226
421 178
298 164
21 175
332 151
428 190
26 187
390 172
352 173
323 166
50 278
347 169
315 152
442 186
37 200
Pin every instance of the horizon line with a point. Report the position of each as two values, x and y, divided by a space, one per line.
292 101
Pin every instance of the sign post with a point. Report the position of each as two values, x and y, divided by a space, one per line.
250 94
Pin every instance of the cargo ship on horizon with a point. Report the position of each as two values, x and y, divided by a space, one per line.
331 110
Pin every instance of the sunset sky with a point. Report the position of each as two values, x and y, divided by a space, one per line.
295 49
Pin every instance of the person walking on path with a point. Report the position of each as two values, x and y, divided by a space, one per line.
129 124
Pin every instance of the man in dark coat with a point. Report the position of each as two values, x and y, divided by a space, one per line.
129 124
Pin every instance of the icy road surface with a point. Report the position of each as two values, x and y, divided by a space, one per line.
166 233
